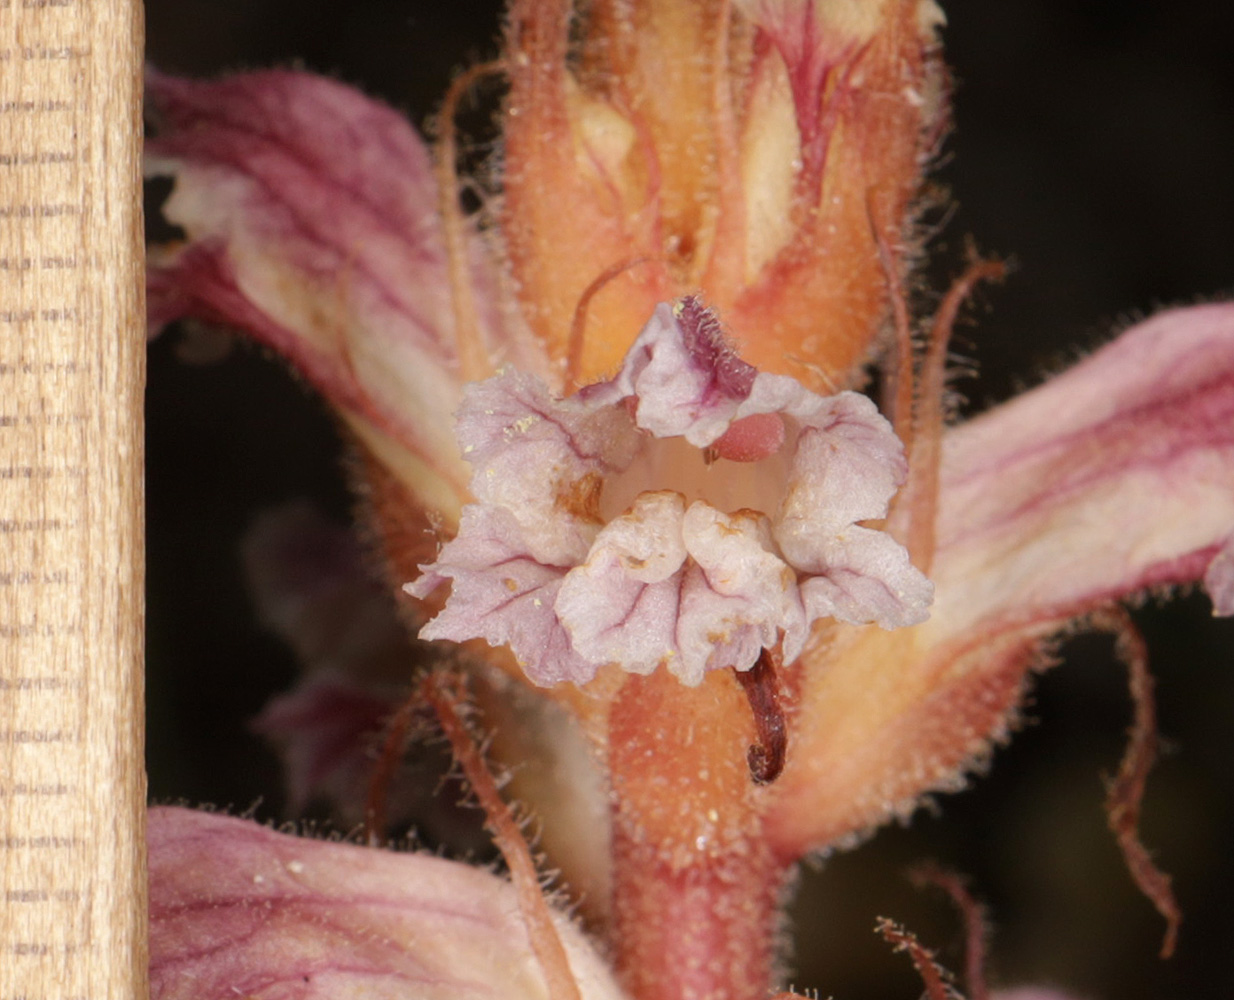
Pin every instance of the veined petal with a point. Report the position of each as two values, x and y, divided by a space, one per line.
1116 476
621 605
239 910
691 572
323 730
311 217
503 594
542 458
865 576
848 466
310 584
738 596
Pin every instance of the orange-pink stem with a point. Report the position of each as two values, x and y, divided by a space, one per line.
696 887
703 931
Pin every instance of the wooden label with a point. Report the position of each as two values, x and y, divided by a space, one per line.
72 789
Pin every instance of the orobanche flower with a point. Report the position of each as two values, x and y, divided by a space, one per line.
689 513
642 511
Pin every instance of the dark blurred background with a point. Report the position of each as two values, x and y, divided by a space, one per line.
1094 142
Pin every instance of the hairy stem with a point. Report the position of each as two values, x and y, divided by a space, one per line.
696 888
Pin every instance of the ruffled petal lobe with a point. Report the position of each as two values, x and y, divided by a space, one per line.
501 593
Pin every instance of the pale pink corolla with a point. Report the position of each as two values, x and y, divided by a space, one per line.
238 910
690 513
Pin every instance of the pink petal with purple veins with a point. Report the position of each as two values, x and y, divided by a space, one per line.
738 597
334 261
325 728
541 458
312 585
1115 476
502 594
848 466
237 910
865 576
690 570
621 605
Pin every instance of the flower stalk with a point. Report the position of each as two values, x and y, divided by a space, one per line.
697 889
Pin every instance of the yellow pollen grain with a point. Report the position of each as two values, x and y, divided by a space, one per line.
511 585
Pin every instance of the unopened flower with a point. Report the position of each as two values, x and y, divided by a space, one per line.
689 513
758 151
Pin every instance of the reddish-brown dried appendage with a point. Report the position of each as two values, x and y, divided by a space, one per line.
976 925
929 970
761 687
446 692
1125 794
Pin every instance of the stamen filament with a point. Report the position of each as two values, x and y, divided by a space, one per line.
898 388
